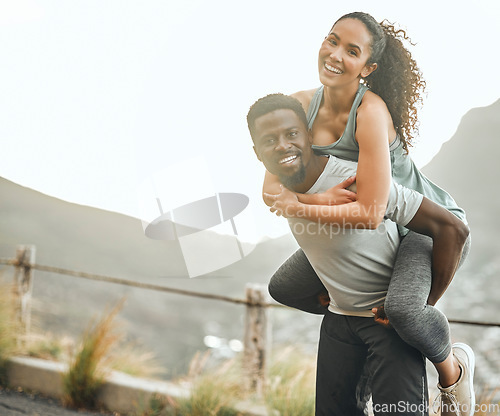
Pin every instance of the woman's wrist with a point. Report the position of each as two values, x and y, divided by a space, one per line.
294 210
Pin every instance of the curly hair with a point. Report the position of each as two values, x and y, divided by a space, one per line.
397 79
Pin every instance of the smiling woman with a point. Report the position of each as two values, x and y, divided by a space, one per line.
366 111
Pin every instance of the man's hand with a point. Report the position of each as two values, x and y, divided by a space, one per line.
283 202
380 317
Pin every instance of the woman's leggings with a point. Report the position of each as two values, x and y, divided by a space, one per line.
421 325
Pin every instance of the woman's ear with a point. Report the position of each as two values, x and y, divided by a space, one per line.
368 69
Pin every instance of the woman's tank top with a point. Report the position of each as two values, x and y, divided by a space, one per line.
403 169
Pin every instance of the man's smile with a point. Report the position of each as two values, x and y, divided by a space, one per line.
288 159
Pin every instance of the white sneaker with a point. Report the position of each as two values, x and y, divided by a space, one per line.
458 399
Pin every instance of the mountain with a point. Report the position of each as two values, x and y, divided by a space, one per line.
87 239
467 166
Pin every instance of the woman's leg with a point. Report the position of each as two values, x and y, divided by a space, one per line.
419 324
296 284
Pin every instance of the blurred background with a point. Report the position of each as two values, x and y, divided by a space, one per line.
102 99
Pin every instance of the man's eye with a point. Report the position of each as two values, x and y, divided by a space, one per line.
292 134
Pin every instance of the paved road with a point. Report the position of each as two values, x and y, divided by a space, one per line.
13 403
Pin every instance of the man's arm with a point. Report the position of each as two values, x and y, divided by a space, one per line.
449 234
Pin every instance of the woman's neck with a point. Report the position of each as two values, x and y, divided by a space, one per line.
339 99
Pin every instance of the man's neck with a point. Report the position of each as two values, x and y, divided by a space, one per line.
314 170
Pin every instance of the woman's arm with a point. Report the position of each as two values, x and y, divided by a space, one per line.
373 178
336 195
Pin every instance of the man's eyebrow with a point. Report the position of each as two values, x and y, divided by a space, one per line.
352 45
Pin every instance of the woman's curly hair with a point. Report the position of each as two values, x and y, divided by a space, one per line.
397 79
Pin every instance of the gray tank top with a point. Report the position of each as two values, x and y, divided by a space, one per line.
403 168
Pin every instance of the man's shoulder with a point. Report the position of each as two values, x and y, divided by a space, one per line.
304 97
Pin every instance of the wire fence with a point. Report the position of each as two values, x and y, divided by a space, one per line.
160 288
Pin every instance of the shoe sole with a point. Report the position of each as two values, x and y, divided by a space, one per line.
472 364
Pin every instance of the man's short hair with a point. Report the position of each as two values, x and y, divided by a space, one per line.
271 103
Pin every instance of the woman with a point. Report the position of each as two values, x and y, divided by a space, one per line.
366 111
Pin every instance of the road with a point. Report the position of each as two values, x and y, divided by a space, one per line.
14 403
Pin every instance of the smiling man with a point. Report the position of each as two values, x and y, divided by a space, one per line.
355 266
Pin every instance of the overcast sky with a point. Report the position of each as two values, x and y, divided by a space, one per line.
104 102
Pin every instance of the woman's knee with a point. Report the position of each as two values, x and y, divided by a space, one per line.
400 312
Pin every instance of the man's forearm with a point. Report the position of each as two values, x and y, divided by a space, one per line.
449 234
446 253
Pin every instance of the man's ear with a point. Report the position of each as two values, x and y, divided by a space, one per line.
310 136
256 153
368 69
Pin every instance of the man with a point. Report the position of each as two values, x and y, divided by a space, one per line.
355 266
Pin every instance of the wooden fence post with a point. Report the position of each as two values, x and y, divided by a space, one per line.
23 284
256 339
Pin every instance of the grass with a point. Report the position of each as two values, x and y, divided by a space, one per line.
488 406
134 359
214 392
292 377
87 369
9 328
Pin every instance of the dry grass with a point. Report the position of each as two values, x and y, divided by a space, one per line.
88 368
9 327
488 404
135 360
214 391
292 377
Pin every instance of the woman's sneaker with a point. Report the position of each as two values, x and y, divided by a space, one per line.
459 399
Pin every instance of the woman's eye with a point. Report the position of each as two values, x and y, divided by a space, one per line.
353 53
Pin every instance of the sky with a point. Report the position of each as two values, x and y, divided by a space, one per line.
114 103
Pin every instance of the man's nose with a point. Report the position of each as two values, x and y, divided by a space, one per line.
283 144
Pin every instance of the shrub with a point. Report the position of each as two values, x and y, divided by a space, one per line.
86 371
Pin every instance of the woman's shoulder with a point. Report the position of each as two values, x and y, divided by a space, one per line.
371 102
304 97
373 112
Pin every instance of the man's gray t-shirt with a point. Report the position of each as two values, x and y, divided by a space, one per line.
354 265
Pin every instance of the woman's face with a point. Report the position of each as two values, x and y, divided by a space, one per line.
344 53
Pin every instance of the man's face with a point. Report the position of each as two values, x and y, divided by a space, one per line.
283 144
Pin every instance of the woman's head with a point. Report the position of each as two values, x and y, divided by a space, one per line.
377 34
390 72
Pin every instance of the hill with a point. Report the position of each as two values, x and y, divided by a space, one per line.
467 166
88 239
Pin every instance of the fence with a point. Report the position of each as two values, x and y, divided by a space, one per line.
257 323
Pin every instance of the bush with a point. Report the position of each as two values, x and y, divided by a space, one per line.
86 371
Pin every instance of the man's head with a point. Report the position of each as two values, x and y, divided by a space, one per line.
278 126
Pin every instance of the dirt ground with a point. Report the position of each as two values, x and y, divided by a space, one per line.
14 403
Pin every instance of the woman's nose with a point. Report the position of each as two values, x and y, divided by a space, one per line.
336 55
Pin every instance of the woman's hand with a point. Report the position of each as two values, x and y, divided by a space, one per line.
380 317
284 204
338 194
